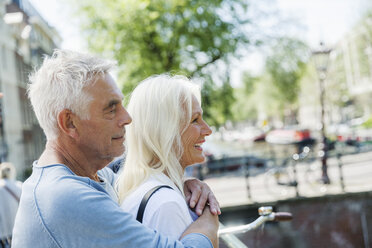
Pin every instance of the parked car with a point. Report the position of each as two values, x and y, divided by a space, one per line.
253 134
248 134
290 135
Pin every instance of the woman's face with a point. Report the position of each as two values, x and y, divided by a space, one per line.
194 136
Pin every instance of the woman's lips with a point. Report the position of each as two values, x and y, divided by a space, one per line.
198 145
198 148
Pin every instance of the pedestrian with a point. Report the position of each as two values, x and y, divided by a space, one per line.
10 192
69 199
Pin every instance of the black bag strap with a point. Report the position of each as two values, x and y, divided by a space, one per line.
12 193
146 198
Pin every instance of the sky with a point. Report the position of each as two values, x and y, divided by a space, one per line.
58 16
326 20
321 20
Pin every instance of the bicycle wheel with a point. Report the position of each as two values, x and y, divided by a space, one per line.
279 182
312 177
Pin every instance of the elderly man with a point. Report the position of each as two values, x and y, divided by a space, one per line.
69 200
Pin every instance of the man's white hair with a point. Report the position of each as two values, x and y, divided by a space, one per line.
161 110
58 84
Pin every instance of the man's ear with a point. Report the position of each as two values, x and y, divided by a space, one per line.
66 123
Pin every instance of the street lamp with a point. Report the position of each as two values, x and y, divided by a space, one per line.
321 57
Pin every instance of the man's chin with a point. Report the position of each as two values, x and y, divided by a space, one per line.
120 152
110 157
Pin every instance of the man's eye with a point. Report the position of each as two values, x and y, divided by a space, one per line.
113 109
195 120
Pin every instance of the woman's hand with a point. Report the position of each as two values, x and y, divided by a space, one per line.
198 195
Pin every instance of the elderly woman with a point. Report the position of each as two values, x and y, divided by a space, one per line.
165 137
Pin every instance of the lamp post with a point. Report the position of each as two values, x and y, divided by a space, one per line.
321 57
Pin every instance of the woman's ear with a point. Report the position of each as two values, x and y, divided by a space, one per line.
66 123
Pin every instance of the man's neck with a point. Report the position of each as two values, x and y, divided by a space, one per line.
56 153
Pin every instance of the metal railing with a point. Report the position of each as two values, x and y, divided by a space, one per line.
266 214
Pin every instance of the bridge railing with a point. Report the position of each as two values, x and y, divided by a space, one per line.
266 214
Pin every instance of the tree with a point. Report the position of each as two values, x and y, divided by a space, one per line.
245 106
274 94
189 37
286 64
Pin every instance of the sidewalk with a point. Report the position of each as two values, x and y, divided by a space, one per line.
231 189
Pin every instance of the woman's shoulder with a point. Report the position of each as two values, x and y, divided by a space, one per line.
133 200
167 212
167 195
167 200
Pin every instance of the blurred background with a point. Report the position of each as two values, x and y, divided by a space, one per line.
286 86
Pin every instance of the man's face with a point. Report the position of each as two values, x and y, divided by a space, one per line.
101 137
194 136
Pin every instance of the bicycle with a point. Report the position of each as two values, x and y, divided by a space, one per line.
312 173
282 179
266 214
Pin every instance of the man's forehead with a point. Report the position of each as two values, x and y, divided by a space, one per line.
107 82
115 87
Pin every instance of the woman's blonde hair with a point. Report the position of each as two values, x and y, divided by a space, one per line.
161 109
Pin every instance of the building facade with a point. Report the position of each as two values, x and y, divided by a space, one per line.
348 82
25 37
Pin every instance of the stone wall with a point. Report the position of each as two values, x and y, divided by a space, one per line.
329 221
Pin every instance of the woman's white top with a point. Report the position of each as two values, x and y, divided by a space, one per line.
166 211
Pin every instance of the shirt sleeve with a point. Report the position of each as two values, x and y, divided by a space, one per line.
196 240
92 219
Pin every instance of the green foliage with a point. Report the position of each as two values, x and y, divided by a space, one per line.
249 82
367 123
278 88
245 107
286 65
217 101
186 37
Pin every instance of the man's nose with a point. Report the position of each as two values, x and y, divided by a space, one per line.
125 118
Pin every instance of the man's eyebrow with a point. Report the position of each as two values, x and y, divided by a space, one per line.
111 103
